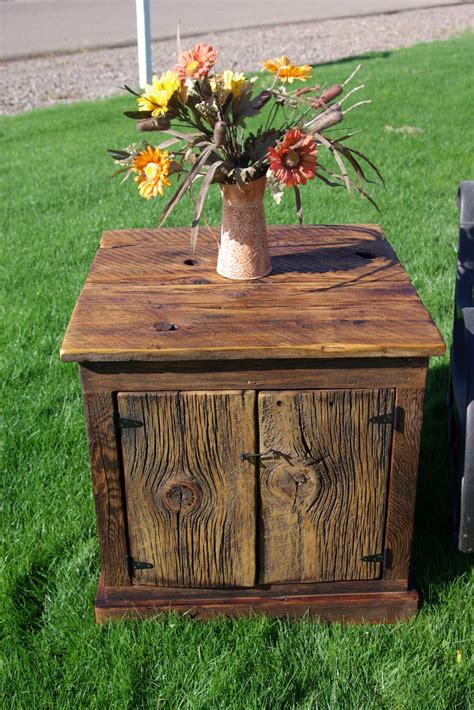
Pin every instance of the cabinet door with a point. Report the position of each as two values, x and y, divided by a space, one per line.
190 499
323 498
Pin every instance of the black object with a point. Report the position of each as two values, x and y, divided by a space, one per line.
122 423
135 564
377 557
461 385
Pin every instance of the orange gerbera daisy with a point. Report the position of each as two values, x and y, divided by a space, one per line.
286 70
293 160
196 62
152 166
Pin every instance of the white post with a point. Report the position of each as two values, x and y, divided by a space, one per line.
144 41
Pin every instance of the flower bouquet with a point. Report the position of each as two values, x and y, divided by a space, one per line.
221 129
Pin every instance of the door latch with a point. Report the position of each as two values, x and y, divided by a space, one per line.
270 454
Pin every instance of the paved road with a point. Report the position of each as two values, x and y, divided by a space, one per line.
35 27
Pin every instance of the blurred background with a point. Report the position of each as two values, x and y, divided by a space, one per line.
33 27
63 51
57 198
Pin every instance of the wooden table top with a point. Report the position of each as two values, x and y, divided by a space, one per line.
335 291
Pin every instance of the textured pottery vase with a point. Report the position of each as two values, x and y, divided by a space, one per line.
243 248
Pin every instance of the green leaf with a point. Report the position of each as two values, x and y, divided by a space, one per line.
370 163
256 146
137 114
357 188
126 168
118 154
131 91
200 202
243 175
328 144
168 143
185 184
327 181
188 137
350 158
247 106
299 207
227 104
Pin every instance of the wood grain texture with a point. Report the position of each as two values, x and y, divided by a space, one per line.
346 373
343 604
335 291
331 338
323 498
190 499
107 487
140 593
402 491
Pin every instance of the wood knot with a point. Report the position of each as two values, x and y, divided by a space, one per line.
181 496
163 325
299 484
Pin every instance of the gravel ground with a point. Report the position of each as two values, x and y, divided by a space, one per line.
33 83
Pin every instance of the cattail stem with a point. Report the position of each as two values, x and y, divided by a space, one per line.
307 90
352 91
325 120
360 103
153 124
351 76
327 96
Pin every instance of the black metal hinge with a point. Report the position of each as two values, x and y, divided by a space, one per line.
382 418
135 564
122 423
381 557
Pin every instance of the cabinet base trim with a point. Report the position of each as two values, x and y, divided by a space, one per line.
345 602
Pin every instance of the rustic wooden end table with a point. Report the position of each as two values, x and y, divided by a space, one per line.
253 445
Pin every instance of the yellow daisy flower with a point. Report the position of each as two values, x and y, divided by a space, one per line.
157 95
228 81
152 166
234 81
286 70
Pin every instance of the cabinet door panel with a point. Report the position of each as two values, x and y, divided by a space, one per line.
323 498
190 500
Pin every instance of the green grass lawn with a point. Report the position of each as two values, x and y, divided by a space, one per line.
57 200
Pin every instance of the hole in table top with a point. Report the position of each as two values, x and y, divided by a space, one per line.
365 255
163 325
279 403
190 262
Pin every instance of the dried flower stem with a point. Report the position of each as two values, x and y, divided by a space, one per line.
352 91
360 103
352 75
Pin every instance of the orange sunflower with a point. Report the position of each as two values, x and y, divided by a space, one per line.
152 166
293 159
286 70
196 62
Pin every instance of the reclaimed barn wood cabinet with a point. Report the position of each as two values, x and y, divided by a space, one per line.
253 445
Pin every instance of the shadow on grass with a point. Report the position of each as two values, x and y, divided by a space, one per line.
367 56
436 561
28 595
